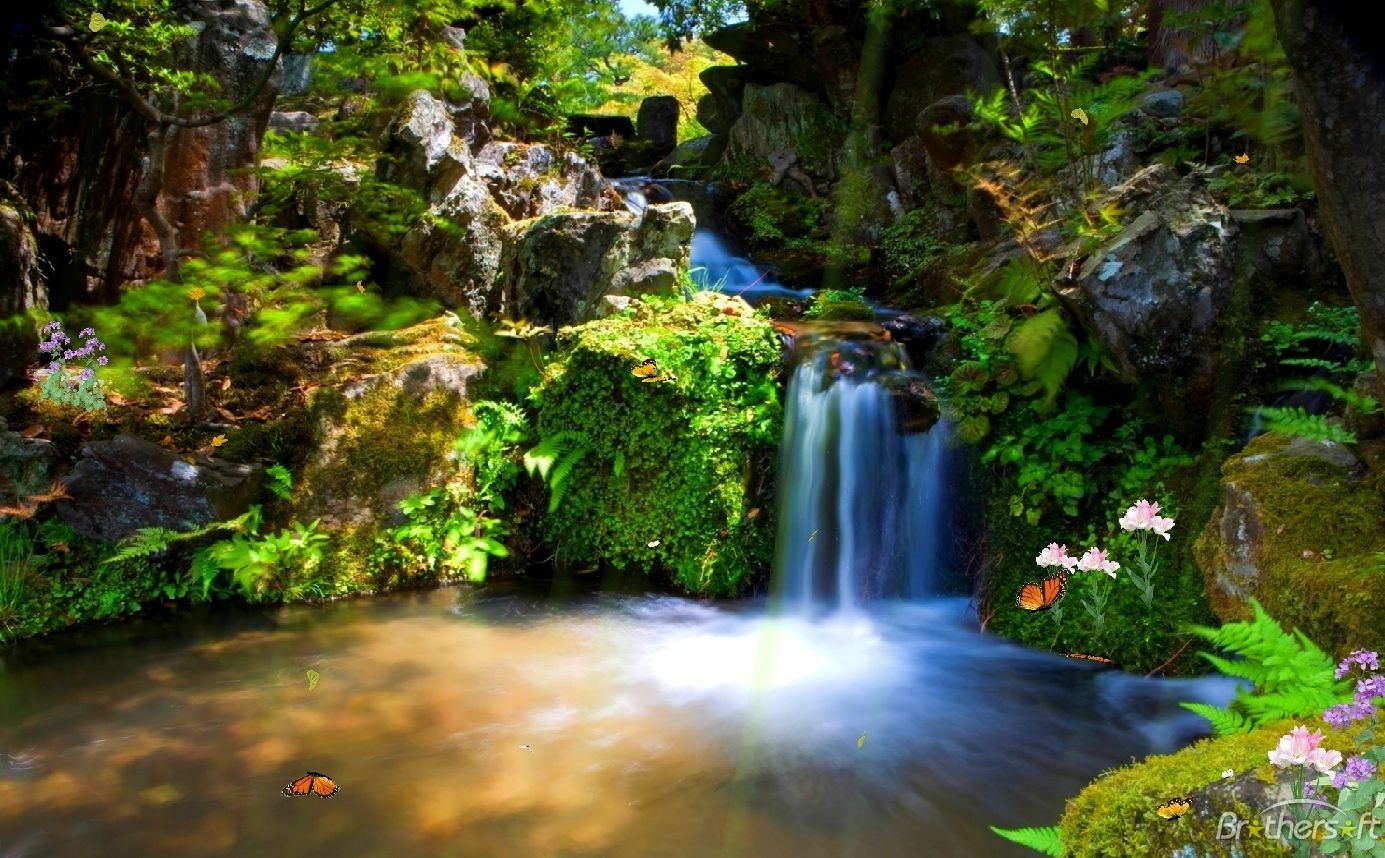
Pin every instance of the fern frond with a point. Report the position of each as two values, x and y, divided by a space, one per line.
1224 721
1045 350
1047 840
557 484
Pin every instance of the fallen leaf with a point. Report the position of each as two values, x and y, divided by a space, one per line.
226 383
861 742
218 440
1080 115
170 409
1243 158
753 514
114 398
98 22
313 676
226 415
359 287
33 431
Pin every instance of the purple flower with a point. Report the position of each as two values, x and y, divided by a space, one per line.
87 373
87 332
1344 714
101 360
51 325
67 355
1365 658
1357 769
1368 689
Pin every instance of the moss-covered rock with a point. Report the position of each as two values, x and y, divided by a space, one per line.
675 475
383 432
1299 529
1115 815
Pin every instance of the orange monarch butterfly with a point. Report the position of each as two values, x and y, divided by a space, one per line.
315 783
1174 808
1041 597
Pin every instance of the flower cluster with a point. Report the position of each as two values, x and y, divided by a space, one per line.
1368 690
1096 560
1145 516
1056 555
1357 769
57 387
1301 748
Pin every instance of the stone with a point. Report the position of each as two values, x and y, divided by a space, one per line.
557 268
657 122
1364 426
1154 294
127 483
386 434
917 336
1163 103
772 49
945 65
942 131
1298 528
837 54
530 180
702 151
298 74
784 117
417 138
1276 245
471 114
909 160
27 467
21 286
726 88
293 121
455 37
712 115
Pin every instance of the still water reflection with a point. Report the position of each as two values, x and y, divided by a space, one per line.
656 726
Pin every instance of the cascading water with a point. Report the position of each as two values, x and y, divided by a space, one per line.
860 501
861 496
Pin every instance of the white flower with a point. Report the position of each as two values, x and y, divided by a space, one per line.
1056 555
1096 560
1161 526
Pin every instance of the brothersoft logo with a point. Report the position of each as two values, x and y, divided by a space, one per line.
1286 821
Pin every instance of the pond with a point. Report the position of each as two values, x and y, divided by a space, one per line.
554 719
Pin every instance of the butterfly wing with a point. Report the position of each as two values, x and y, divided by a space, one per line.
1030 598
302 786
1174 808
1053 588
323 786
645 369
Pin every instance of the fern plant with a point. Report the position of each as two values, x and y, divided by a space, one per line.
553 460
1290 675
1045 351
150 541
1047 840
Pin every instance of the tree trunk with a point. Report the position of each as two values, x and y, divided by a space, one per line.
1332 46
146 197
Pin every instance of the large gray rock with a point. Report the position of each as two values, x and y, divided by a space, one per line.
531 180
725 89
784 117
1276 245
557 268
1164 103
942 129
945 65
126 484
657 122
837 54
293 122
471 114
417 138
26 467
779 51
1153 295
298 74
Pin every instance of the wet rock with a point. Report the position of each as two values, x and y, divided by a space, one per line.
917 336
530 180
942 129
125 484
944 66
1154 294
657 122
27 466
1164 104
293 121
1276 245
726 88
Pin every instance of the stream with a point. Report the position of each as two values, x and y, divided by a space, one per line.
854 712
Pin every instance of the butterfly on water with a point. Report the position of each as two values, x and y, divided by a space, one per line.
313 783
1242 159
1080 115
1041 596
98 22
1174 808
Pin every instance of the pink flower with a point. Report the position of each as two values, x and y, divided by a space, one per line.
1140 516
1161 526
1297 748
1324 760
1096 560
1056 555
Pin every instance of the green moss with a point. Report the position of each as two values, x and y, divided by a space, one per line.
678 463
1114 816
1320 552
771 217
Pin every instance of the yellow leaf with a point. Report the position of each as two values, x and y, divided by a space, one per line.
861 742
359 287
196 294
1243 158
1080 115
218 440
313 676
98 22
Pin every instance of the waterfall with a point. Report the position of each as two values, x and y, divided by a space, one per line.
861 505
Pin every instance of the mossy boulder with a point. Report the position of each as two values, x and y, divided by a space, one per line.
1115 815
1301 527
383 429
674 476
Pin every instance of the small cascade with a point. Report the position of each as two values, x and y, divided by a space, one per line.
861 497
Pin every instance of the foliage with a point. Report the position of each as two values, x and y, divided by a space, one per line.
1048 840
1045 350
16 565
770 216
1329 344
1252 189
554 458
1294 421
681 462
677 74
840 305
280 481
154 541
1290 675
1054 457
265 568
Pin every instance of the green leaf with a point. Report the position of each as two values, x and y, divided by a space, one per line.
1046 840
1045 350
